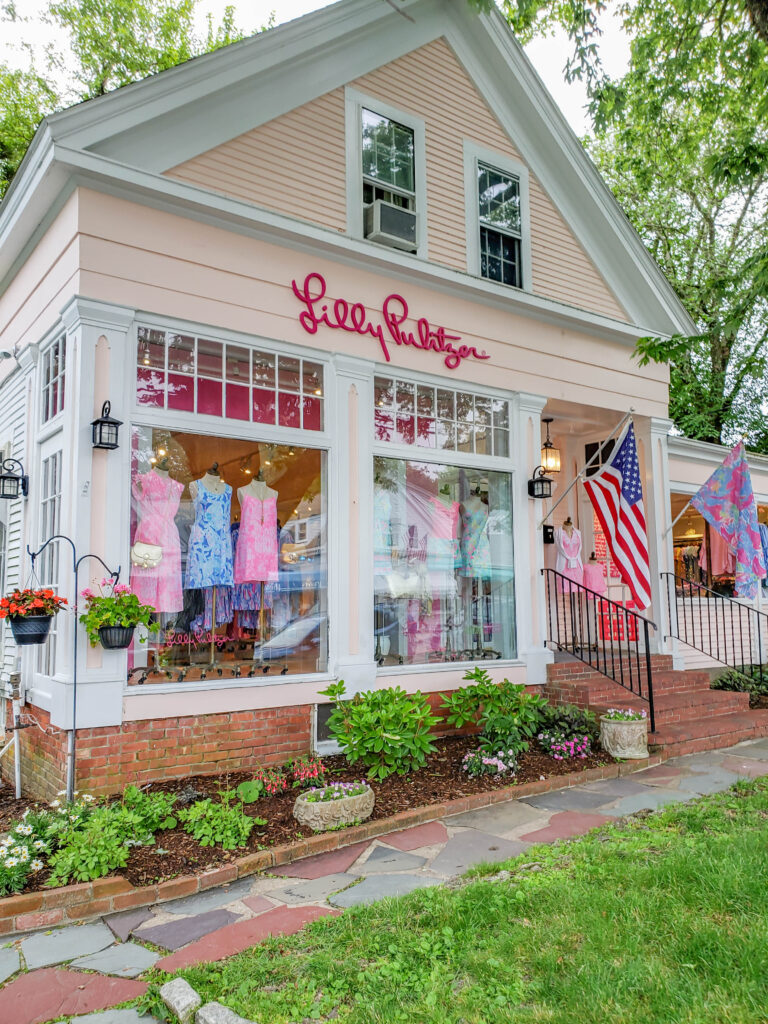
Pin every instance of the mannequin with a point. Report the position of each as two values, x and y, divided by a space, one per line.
594 575
211 481
257 544
157 498
570 566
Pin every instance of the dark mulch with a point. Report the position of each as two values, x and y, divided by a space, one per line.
441 779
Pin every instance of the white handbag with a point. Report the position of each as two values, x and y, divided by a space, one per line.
146 556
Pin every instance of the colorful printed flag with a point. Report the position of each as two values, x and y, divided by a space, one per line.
727 503
616 494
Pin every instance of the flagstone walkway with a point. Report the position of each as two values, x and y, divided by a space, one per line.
78 972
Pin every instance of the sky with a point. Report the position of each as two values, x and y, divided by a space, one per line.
548 55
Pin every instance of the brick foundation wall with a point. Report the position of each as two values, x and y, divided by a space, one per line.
110 758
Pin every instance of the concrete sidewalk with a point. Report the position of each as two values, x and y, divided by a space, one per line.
227 920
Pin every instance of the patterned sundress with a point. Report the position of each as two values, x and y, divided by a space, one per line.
209 555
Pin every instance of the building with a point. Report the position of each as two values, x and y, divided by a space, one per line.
356 259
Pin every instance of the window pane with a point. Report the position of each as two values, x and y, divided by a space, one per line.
383 393
151 348
264 369
289 377
289 410
290 634
209 397
425 400
446 404
181 353
209 358
263 405
405 397
181 392
312 378
313 413
499 199
237 401
444 574
238 364
388 151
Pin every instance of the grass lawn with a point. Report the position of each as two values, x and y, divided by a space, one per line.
663 919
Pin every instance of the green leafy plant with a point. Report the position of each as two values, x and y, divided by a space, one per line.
118 606
99 845
507 716
23 852
307 771
155 809
23 603
336 791
224 823
625 715
464 706
272 779
388 730
751 679
250 790
568 720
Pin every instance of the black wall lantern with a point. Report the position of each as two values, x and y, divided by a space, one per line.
13 484
105 429
539 486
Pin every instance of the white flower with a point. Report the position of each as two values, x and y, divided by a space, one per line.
24 854
23 830
11 862
39 844
88 799
62 792
36 865
55 803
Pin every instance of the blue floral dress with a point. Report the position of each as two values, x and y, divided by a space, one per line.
209 554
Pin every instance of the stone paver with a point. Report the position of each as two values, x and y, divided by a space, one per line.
566 824
378 887
9 963
381 861
568 800
746 767
413 838
713 780
498 818
124 924
257 904
216 1013
757 748
180 998
242 935
128 960
659 771
47 949
325 863
310 890
124 1016
652 800
473 847
210 900
176 934
615 788
52 992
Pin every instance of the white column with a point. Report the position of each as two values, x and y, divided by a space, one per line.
351 556
529 548
95 499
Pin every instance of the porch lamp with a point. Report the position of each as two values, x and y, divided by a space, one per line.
540 485
13 484
105 429
550 456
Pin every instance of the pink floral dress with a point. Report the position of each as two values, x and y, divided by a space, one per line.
157 502
256 553
569 558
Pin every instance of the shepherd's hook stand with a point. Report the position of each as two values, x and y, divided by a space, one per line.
115 576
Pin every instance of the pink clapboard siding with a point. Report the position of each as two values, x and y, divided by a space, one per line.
269 166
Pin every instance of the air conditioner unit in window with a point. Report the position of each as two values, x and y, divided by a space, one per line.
390 225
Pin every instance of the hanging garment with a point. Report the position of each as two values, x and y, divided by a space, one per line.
256 555
723 558
247 596
443 540
157 498
209 556
594 577
224 610
474 545
568 561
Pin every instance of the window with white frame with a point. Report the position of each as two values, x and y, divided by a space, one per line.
442 522
48 563
389 171
53 374
500 225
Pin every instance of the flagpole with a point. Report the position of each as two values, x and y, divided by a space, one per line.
579 475
677 517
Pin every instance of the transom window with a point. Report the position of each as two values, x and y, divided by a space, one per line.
440 418
213 378
388 161
499 215
53 367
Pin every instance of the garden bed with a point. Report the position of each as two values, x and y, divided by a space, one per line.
441 780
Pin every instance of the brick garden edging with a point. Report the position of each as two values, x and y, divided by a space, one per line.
40 910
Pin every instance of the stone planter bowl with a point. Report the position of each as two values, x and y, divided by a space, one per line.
333 813
628 740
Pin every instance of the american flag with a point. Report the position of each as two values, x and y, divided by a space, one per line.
616 494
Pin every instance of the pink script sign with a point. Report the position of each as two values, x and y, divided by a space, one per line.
341 315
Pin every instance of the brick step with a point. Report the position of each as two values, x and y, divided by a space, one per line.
709 733
596 687
574 667
687 705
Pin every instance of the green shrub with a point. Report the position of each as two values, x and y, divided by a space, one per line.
388 730
568 721
153 808
507 716
99 844
747 679
224 823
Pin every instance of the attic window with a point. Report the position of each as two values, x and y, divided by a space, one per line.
500 223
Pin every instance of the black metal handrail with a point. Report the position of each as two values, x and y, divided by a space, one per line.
612 639
726 630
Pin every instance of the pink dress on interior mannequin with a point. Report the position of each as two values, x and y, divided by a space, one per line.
569 562
157 500
256 554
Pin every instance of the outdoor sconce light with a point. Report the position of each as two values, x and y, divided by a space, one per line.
105 429
13 484
550 456
539 486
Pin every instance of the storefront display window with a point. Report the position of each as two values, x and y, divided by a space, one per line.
443 563
228 543
213 378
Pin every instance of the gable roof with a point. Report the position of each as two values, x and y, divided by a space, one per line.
123 142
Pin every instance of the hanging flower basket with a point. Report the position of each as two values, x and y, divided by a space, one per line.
30 629
115 638
30 613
